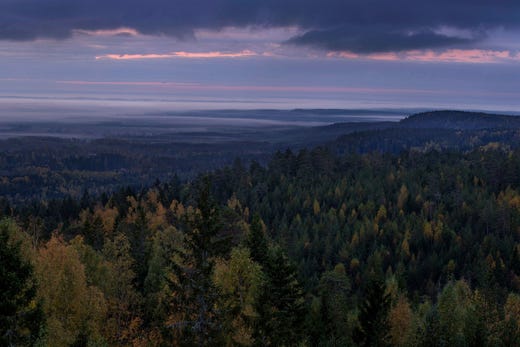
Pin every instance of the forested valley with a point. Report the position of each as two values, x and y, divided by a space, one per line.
387 237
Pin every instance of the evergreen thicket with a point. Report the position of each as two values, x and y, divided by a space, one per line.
420 248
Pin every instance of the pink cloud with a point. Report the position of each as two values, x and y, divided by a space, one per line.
384 56
181 54
474 56
346 55
374 56
460 56
109 32
133 56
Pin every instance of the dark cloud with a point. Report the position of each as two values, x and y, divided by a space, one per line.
361 26
372 41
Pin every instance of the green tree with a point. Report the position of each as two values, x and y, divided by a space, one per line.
334 291
257 241
373 329
156 289
123 302
430 331
21 317
281 303
195 312
240 280
456 313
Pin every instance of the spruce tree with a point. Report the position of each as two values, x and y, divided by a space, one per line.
21 318
281 303
257 241
194 303
373 316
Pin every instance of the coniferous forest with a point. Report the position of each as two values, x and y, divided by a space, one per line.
323 246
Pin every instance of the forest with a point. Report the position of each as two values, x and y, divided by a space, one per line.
402 235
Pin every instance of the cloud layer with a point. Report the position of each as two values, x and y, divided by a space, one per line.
359 26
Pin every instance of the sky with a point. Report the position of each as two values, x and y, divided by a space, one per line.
222 54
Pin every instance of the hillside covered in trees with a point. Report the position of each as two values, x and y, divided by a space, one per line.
46 168
382 237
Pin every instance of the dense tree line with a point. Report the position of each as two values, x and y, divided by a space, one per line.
40 168
48 168
416 249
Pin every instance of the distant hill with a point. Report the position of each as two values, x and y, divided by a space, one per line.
315 136
460 120
447 129
437 130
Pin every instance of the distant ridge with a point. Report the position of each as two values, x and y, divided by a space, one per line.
461 120
433 130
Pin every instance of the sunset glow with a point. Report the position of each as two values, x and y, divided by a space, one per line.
190 55
335 50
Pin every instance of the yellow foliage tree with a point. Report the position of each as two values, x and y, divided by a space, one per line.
239 279
122 323
427 230
74 310
403 197
316 207
400 319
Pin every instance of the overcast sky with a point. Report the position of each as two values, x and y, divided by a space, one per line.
263 54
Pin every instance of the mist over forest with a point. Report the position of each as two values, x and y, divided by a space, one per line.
299 227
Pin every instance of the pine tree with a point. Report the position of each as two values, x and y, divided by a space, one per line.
334 288
257 241
21 318
430 331
281 303
373 326
194 303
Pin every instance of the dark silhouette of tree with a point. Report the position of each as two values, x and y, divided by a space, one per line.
21 318
257 241
281 304
195 293
373 316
